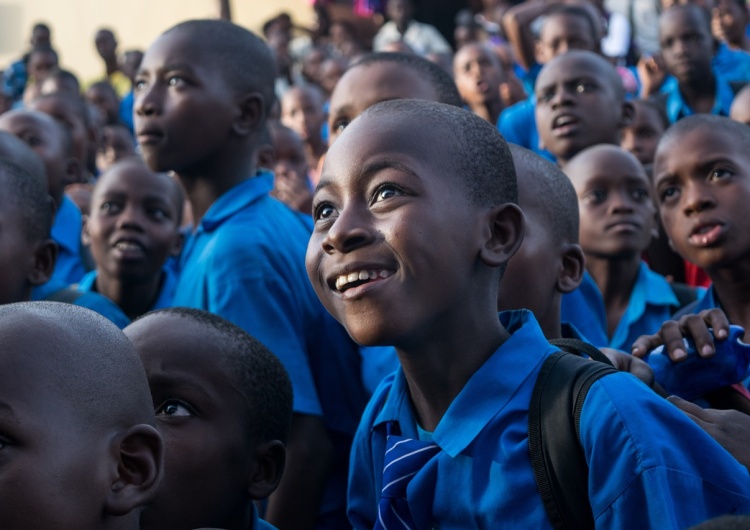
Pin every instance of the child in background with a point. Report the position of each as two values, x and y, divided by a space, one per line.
405 175
618 219
207 130
41 63
117 144
643 134
79 445
61 81
134 227
580 103
302 111
740 109
291 184
223 404
104 98
479 74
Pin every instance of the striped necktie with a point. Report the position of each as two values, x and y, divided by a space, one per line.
404 458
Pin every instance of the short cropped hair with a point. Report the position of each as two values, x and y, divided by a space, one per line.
572 11
262 378
732 128
653 104
245 59
704 15
30 195
76 101
553 192
66 75
478 152
440 80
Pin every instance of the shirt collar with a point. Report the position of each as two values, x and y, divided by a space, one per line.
706 300
475 407
237 198
677 108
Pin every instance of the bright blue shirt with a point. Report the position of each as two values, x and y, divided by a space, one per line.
126 110
517 124
652 302
677 108
732 65
650 466
163 300
66 231
246 262
90 300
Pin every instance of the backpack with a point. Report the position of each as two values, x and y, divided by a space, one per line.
557 458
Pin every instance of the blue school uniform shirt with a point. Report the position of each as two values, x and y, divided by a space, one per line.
517 124
90 300
163 300
66 232
677 108
245 261
652 302
650 466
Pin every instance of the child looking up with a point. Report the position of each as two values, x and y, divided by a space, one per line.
642 136
77 433
203 120
223 404
132 230
618 219
478 74
405 175
291 184
580 103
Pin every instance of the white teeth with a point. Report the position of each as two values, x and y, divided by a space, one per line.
127 245
345 279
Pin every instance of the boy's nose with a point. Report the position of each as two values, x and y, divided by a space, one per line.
697 199
349 232
145 102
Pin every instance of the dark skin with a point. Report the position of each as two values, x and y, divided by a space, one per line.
209 162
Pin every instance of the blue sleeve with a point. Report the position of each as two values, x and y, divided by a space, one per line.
650 466
366 463
243 289
513 124
105 307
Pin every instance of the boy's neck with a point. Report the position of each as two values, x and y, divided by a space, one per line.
439 366
700 95
111 66
205 185
134 297
615 278
732 290
489 111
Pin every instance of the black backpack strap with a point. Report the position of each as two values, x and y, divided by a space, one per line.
557 458
67 295
685 294
577 347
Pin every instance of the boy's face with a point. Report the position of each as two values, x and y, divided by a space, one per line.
478 74
390 210
363 86
400 11
117 143
202 415
106 101
50 460
561 33
702 186
686 45
105 43
133 226
41 63
642 136
290 155
184 107
614 201
44 138
729 21
577 106
302 112
62 110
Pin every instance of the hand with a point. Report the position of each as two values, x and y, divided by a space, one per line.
693 326
728 427
652 72
632 365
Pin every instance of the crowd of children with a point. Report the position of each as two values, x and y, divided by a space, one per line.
316 279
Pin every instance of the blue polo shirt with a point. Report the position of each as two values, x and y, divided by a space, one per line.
677 108
517 124
245 262
66 231
732 65
90 300
650 466
652 302
163 300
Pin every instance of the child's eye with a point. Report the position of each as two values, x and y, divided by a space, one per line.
640 194
668 194
32 140
545 97
584 87
159 214
110 207
140 84
386 191
596 196
719 174
174 408
340 125
323 210
176 81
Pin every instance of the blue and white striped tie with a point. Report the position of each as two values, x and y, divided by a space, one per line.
404 458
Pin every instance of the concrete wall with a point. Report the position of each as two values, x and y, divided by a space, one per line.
135 22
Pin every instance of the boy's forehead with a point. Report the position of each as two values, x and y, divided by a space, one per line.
682 18
569 67
381 81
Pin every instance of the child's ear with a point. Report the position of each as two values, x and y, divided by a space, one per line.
539 56
267 469
251 114
504 230
45 256
628 115
85 237
140 467
573 266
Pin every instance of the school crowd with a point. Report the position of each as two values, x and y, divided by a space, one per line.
324 279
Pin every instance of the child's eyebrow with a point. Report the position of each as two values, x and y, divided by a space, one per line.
6 411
